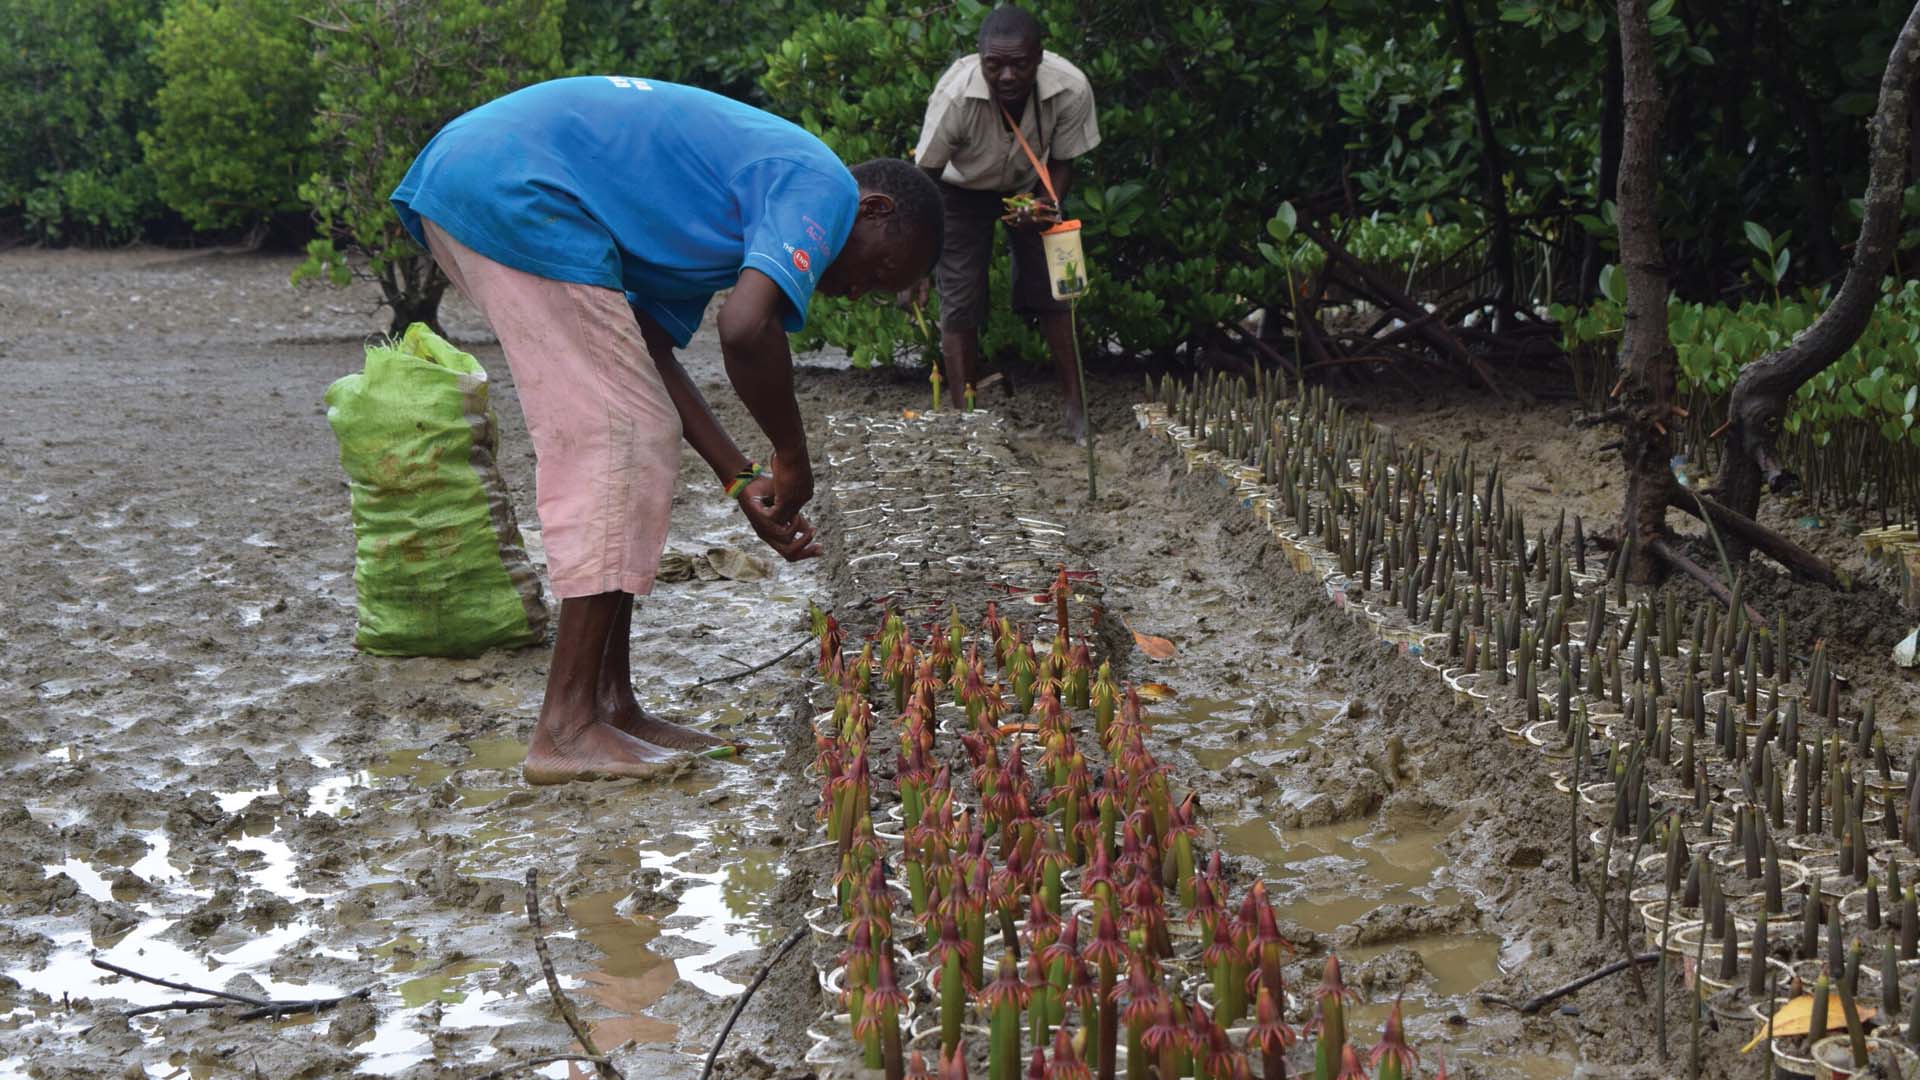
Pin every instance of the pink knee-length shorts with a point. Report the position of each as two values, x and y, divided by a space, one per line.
606 437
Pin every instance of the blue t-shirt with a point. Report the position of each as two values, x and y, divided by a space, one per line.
665 191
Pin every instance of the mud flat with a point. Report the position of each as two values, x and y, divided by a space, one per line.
204 780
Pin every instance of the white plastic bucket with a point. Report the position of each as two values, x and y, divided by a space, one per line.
1066 265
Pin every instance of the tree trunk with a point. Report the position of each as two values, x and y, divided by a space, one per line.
1493 162
1764 388
412 287
1646 353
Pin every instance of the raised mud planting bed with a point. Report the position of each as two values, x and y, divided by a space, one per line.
1010 882
999 911
1733 808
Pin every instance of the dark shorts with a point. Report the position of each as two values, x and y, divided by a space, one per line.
964 261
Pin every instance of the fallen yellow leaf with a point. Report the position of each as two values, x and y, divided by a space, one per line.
1158 648
909 414
1796 1017
1156 691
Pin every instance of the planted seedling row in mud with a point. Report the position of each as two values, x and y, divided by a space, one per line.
1692 746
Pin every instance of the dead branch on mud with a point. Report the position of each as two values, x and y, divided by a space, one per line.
244 999
220 999
755 669
560 1000
766 969
1535 1004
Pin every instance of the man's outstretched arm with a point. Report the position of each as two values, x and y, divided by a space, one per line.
761 370
792 538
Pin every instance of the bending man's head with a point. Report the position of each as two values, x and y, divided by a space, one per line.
1010 43
896 236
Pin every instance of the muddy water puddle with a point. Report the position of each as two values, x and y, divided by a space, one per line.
705 890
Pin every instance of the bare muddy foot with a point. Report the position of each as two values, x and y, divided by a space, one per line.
645 726
596 752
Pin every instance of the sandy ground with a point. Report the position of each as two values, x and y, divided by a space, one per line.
206 781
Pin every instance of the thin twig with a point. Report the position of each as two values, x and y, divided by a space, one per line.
178 1006
765 969
171 985
732 675
560 999
277 1009
1534 1005
534 1063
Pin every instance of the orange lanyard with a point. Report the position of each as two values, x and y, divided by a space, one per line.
1045 180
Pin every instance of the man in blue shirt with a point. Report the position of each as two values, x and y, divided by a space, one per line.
591 220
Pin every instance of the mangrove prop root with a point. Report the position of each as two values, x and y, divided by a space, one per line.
1803 563
766 969
560 1000
1661 549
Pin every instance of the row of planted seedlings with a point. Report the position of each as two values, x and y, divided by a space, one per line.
1023 893
1742 802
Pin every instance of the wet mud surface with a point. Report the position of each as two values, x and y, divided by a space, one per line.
205 781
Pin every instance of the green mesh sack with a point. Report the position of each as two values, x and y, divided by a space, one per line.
439 568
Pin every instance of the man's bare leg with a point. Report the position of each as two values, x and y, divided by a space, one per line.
960 353
571 740
618 705
1058 326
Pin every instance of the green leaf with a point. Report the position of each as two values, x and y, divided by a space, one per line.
1781 260
1281 225
1613 284
1758 236
1659 9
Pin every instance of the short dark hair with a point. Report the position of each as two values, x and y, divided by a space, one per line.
916 198
1010 21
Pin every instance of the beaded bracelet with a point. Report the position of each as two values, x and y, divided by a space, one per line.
744 477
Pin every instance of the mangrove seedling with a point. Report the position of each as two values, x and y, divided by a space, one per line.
951 956
1271 1036
1330 1043
1392 1057
1004 998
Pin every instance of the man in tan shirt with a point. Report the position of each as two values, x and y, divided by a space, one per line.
967 143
